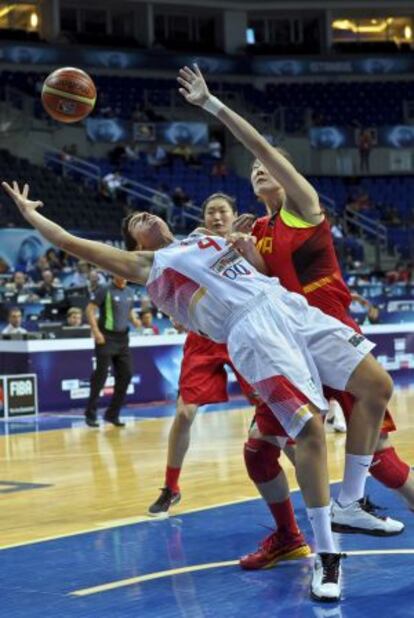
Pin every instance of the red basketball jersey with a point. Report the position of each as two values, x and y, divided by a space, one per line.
303 257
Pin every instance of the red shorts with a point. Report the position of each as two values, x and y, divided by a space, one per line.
203 377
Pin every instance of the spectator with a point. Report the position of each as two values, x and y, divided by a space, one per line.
48 286
365 144
111 183
35 271
19 283
148 328
79 278
74 317
14 326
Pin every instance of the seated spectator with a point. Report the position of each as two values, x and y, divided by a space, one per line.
48 286
35 271
111 183
19 284
14 326
54 261
79 279
148 328
401 274
185 152
74 317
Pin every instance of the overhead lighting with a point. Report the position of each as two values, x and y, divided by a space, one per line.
347 24
34 20
408 33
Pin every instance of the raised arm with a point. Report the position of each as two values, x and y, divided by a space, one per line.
302 197
133 266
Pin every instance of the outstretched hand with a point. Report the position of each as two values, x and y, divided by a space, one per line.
21 198
194 88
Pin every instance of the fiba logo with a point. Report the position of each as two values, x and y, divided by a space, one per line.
21 388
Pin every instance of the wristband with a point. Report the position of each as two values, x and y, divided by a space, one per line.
213 105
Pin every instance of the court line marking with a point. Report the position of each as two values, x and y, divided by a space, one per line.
141 519
122 583
127 522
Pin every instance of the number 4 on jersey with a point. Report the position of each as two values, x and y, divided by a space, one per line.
208 242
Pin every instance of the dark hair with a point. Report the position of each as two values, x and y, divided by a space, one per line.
219 196
13 310
130 242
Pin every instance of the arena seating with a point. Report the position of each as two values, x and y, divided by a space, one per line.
66 201
340 103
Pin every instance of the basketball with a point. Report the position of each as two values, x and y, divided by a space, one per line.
68 95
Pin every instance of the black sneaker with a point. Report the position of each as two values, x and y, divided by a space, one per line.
161 506
114 420
91 421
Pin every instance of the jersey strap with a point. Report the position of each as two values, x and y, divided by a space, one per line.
292 220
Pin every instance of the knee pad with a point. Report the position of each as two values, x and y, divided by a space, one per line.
389 469
262 460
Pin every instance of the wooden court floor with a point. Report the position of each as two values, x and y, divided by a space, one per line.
63 481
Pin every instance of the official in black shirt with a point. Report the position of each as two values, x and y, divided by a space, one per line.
114 303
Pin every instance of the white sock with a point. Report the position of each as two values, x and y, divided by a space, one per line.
355 476
320 519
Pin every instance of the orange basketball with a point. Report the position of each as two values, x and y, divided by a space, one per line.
68 94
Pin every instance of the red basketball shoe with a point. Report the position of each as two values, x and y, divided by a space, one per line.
276 547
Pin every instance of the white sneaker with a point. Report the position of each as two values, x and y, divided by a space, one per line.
360 516
326 578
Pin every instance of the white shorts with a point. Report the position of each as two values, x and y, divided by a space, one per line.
287 349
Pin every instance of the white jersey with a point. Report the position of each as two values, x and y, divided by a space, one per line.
204 284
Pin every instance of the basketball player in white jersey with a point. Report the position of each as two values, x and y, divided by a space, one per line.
280 345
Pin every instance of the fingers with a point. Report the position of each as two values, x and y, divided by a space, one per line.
12 191
25 191
197 70
184 92
184 83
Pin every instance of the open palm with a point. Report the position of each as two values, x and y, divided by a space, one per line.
21 197
194 88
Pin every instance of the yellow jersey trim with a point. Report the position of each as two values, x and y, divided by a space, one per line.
292 220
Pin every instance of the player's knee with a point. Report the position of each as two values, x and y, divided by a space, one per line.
186 413
389 469
312 435
262 460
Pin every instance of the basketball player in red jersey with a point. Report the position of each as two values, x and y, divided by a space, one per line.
297 247
203 380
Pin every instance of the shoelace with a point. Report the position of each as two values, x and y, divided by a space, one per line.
330 566
166 494
369 507
271 540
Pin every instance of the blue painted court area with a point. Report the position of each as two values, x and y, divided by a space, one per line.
173 569
49 421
